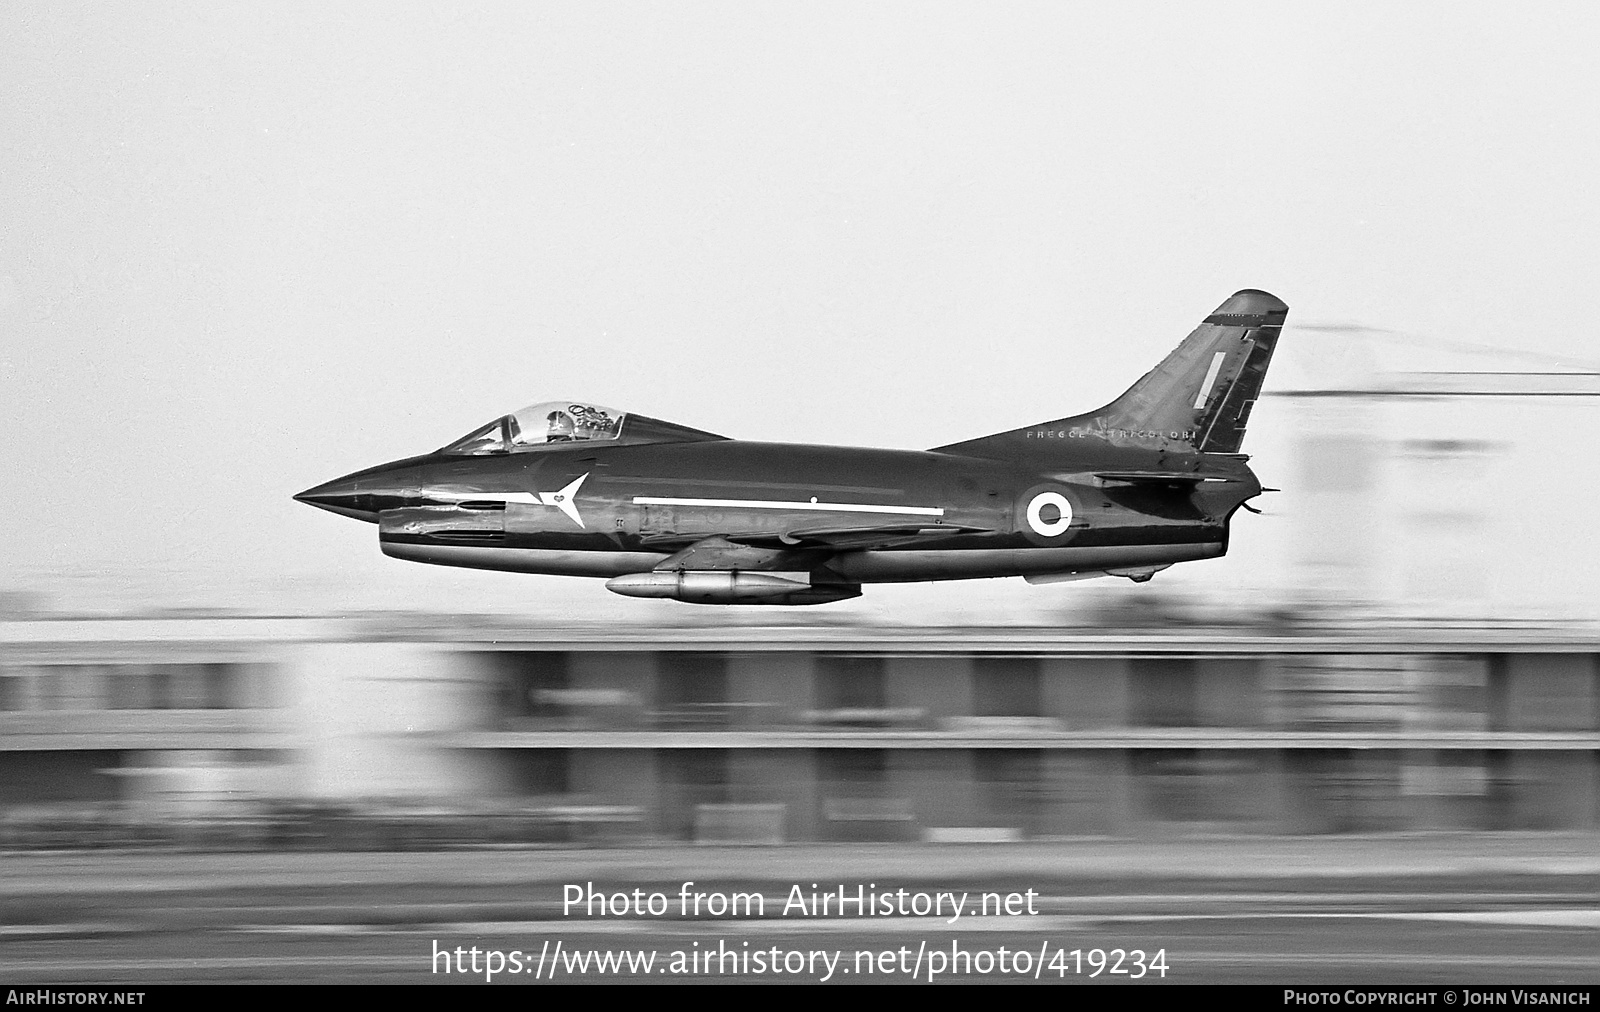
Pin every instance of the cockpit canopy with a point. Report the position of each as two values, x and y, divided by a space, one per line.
560 422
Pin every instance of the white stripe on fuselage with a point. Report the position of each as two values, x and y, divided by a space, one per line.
772 504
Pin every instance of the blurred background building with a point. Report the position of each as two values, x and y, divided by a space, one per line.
276 732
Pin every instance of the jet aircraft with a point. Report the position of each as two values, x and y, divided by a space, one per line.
661 510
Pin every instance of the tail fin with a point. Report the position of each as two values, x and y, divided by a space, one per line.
1197 400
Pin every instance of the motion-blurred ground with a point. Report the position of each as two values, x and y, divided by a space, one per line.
1449 909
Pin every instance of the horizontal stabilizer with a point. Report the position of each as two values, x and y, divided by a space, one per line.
1161 477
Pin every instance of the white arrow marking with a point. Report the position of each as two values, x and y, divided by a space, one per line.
565 500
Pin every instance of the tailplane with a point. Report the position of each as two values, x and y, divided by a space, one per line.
1198 400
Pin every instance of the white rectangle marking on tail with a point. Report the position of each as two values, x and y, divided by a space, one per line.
1211 377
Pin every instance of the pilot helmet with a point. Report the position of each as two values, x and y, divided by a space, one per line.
561 424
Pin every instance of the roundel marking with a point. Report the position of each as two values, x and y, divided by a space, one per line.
1049 528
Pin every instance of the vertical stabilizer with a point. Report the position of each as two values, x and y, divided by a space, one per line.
1197 400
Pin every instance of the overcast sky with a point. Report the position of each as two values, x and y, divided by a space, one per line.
247 248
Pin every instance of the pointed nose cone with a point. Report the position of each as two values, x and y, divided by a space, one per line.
328 492
342 496
364 494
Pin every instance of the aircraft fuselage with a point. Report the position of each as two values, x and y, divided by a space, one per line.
664 510
637 506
